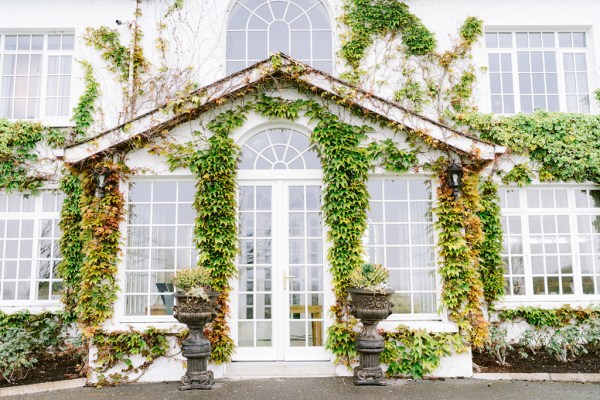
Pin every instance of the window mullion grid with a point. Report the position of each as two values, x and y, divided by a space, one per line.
573 237
515 73
150 250
560 70
411 248
526 244
35 257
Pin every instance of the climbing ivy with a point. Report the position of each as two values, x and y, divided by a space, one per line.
491 267
117 347
416 353
71 245
459 242
215 231
521 174
117 56
18 142
345 167
100 220
83 113
564 147
386 154
554 318
367 19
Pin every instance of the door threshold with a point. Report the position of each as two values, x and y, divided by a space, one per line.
279 369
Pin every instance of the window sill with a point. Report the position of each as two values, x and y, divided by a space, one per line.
34 307
63 122
429 325
512 302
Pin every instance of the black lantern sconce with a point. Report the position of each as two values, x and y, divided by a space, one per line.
101 183
455 174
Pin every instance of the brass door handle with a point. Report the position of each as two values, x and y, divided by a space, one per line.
285 279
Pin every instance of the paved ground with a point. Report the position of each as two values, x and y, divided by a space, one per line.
336 389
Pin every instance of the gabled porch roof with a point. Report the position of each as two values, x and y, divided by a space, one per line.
279 67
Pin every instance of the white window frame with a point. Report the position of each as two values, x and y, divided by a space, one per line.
572 212
247 61
120 305
425 317
37 215
560 71
49 120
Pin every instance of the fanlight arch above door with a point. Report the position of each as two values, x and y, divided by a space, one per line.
279 149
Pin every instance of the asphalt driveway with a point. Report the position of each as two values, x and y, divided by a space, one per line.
336 389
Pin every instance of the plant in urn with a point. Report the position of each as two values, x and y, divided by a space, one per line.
370 293
195 304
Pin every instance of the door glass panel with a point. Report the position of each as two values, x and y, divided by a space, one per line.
305 280
255 328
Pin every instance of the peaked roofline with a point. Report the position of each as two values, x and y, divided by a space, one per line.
156 121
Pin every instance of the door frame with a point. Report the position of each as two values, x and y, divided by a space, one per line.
280 181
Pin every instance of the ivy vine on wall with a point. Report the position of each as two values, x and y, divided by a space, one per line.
101 217
564 147
459 241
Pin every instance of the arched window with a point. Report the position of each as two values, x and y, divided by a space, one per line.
299 28
279 149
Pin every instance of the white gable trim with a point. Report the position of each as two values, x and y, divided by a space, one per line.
160 120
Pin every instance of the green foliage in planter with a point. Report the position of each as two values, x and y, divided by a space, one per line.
101 236
369 18
497 343
118 346
566 343
564 146
194 282
25 336
71 244
373 277
491 266
416 353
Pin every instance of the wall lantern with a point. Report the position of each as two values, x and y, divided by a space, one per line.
455 174
101 182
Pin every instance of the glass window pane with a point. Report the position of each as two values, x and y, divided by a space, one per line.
564 39
579 39
505 39
522 41
491 40
54 42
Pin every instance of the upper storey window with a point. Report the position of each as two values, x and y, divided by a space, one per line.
299 28
36 75
538 71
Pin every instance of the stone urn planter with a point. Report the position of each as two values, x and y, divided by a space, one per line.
196 312
370 307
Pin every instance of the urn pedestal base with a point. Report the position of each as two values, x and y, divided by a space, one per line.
196 313
370 308
197 352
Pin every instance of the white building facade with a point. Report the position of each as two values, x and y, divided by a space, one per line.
532 56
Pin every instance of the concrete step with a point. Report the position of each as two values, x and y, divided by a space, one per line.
279 369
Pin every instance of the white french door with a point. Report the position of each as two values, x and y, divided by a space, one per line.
282 293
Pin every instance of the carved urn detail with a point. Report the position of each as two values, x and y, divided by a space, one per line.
196 312
370 307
